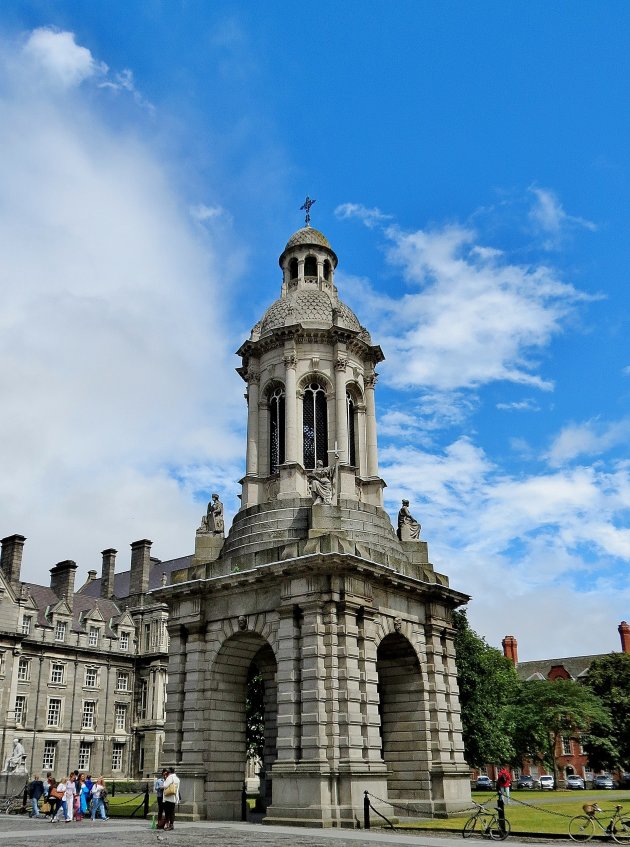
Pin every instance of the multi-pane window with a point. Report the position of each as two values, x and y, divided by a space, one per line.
2 663
85 750
27 623
566 746
117 756
142 701
57 673
315 426
91 677
53 716
147 636
124 641
20 710
60 630
350 411
24 670
93 636
120 717
276 430
88 717
122 681
48 758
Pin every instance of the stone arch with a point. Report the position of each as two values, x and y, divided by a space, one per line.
404 730
227 690
310 266
316 376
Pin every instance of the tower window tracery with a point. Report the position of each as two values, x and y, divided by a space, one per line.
276 429
351 415
315 425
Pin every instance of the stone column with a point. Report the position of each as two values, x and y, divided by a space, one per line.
341 407
251 466
290 409
370 425
263 438
314 695
289 679
361 455
175 694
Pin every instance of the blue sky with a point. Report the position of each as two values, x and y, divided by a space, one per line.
470 166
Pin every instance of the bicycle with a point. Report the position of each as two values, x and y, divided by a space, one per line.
12 804
486 822
582 827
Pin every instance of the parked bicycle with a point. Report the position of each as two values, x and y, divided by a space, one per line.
486 822
583 827
12 804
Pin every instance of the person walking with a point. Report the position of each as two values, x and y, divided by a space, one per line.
171 798
60 795
504 781
35 793
99 793
71 791
158 787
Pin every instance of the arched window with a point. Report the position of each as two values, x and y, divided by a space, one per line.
315 425
276 429
310 266
293 269
326 269
350 413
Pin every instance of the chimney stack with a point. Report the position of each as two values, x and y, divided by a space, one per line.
624 634
11 557
510 649
140 566
62 580
107 573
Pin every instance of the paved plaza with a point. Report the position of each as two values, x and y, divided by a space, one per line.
23 832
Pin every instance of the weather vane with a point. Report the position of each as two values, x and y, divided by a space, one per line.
307 208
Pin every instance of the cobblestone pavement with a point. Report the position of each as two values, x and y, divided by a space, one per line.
16 831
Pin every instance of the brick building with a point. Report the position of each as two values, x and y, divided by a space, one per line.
83 672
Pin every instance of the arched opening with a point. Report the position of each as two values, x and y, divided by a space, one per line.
276 429
310 267
327 267
293 269
351 412
403 725
315 425
244 657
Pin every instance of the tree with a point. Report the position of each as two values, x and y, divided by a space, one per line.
255 714
609 679
488 684
546 711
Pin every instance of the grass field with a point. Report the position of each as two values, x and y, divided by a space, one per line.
531 812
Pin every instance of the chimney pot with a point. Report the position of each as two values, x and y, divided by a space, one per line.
62 580
140 566
510 649
624 634
11 557
107 572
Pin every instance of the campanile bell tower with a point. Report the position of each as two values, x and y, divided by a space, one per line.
344 619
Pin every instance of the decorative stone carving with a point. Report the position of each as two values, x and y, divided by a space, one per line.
341 363
358 490
315 362
371 380
213 522
242 622
253 376
398 624
273 489
290 360
322 483
408 527
16 763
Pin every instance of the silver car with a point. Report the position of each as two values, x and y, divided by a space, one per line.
575 781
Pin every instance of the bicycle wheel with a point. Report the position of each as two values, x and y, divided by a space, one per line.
499 831
581 828
469 826
621 831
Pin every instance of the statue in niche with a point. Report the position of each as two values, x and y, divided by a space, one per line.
212 522
408 527
322 483
16 763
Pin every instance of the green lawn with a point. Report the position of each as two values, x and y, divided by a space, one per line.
546 812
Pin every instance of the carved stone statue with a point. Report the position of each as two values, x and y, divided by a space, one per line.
322 483
214 523
16 763
408 527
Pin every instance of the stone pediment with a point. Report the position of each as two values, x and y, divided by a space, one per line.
94 615
125 620
60 608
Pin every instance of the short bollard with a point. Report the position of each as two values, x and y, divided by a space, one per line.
501 811
244 802
145 810
366 811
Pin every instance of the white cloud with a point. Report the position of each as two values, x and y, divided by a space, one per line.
590 438
370 217
549 217
59 59
528 405
113 338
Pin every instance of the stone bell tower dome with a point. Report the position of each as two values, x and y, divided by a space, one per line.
309 366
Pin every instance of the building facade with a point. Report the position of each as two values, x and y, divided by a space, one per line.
83 672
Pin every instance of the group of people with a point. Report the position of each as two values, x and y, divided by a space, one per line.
166 787
71 799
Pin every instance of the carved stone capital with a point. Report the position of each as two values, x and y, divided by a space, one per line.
341 363
253 377
371 380
290 360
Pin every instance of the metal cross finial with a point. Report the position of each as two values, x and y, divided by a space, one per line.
307 208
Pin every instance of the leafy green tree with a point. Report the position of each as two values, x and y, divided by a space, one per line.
609 679
488 684
255 714
546 711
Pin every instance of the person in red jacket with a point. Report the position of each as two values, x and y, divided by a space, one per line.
504 781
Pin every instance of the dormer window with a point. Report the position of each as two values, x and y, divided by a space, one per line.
61 628
93 634
27 623
310 266
293 269
124 641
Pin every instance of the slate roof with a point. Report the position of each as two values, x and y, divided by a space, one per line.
121 580
45 597
575 666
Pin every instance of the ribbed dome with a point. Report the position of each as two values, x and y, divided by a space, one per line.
313 306
308 235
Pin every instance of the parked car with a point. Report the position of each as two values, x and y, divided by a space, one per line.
575 781
546 781
603 781
624 781
526 781
484 783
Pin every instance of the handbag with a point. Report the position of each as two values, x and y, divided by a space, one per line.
170 790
